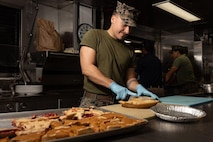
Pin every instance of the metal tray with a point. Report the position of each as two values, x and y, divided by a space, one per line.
6 118
177 113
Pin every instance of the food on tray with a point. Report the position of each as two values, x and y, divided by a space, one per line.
73 122
79 113
7 132
32 137
139 102
46 115
50 115
55 124
6 139
28 125
57 133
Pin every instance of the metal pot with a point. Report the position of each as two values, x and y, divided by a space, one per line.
208 88
29 90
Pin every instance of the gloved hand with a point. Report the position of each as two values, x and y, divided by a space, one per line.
120 91
143 91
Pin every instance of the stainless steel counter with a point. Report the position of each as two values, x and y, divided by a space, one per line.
159 130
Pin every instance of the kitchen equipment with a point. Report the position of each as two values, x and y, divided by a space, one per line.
185 100
61 71
208 88
177 113
137 113
30 89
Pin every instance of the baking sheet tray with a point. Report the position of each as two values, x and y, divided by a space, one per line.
6 118
177 113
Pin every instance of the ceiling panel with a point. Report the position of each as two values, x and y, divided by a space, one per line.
150 16
159 19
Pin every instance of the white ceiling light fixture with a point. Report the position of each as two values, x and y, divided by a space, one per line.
174 9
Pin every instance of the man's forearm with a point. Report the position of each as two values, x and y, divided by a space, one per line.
132 83
95 75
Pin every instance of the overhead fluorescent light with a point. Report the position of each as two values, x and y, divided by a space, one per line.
174 9
138 51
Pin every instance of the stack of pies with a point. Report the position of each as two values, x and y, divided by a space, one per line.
139 102
74 122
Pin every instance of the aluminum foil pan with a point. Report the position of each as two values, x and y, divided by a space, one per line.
177 113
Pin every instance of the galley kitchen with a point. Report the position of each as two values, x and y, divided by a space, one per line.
42 83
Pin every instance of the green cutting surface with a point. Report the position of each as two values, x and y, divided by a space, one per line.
185 100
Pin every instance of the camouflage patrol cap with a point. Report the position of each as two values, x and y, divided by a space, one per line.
127 13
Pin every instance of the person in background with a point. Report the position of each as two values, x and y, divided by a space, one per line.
149 67
180 78
108 64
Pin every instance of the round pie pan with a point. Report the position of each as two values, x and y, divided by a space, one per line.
177 113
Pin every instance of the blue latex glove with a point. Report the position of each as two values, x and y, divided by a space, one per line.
143 91
120 91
